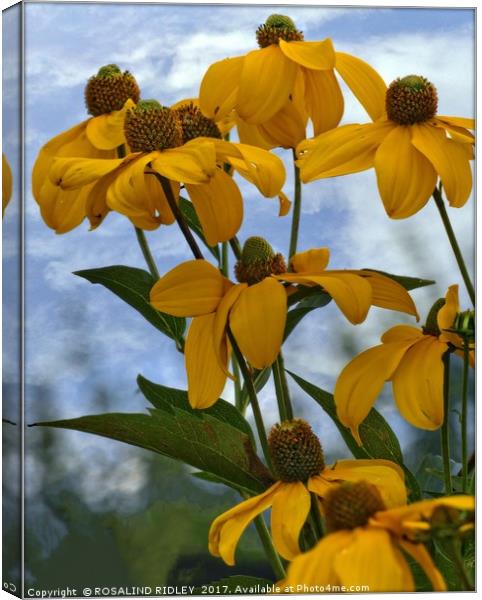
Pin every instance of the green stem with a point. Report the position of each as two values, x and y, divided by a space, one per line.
282 390
437 195
295 223
235 247
224 259
316 516
463 417
445 427
141 238
176 211
453 548
253 398
238 400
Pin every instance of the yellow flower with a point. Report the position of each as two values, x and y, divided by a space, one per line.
255 309
275 89
411 359
6 183
181 146
365 546
298 457
408 145
109 95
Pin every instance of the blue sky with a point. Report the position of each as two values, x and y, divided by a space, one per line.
80 337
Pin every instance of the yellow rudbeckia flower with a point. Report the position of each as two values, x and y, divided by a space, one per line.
364 547
411 359
275 89
408 144
298 459
255 308
108 96
180 145
6 183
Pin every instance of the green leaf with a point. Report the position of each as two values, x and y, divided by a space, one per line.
192 219
133 286
236 584
305 306
379 440
205 476
409 283
216 440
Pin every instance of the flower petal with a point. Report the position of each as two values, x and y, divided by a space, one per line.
406 179
291 506
372 559
6 183
191 289
346 149
107 131
253 135
362 380
324 100
418 384
419 553
267 80
365 83
458 121
388 293
312 55
446 315
219 87
226 529
221 319
71 173
284 204
387 476
286 128
194 162
258 320
459 134
401 333
311 261
219 206
62 210
205 377
449 159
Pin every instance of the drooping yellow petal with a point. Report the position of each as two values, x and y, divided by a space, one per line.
291 506
311 261
258 320
449 160
62 210
221 320
312 55
346 149
96 207
419 553
264 169
267 80
388 293
396 519
372 559
252 135
226 529
365 83
219 87
284 204
71 173
362 380
205 378
401 333
191 289
316 567
387 476
286 128
405 177
219 206
107 131
459 134
324 100
194 162
418 384
446 315
458 121
6 183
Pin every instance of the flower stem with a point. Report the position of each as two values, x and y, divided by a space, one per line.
316 516
437 196
453 549
176 211
253 398
282 390
224 259
235 247
141 238
463 415
445 426
295 223
269 548
238 400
